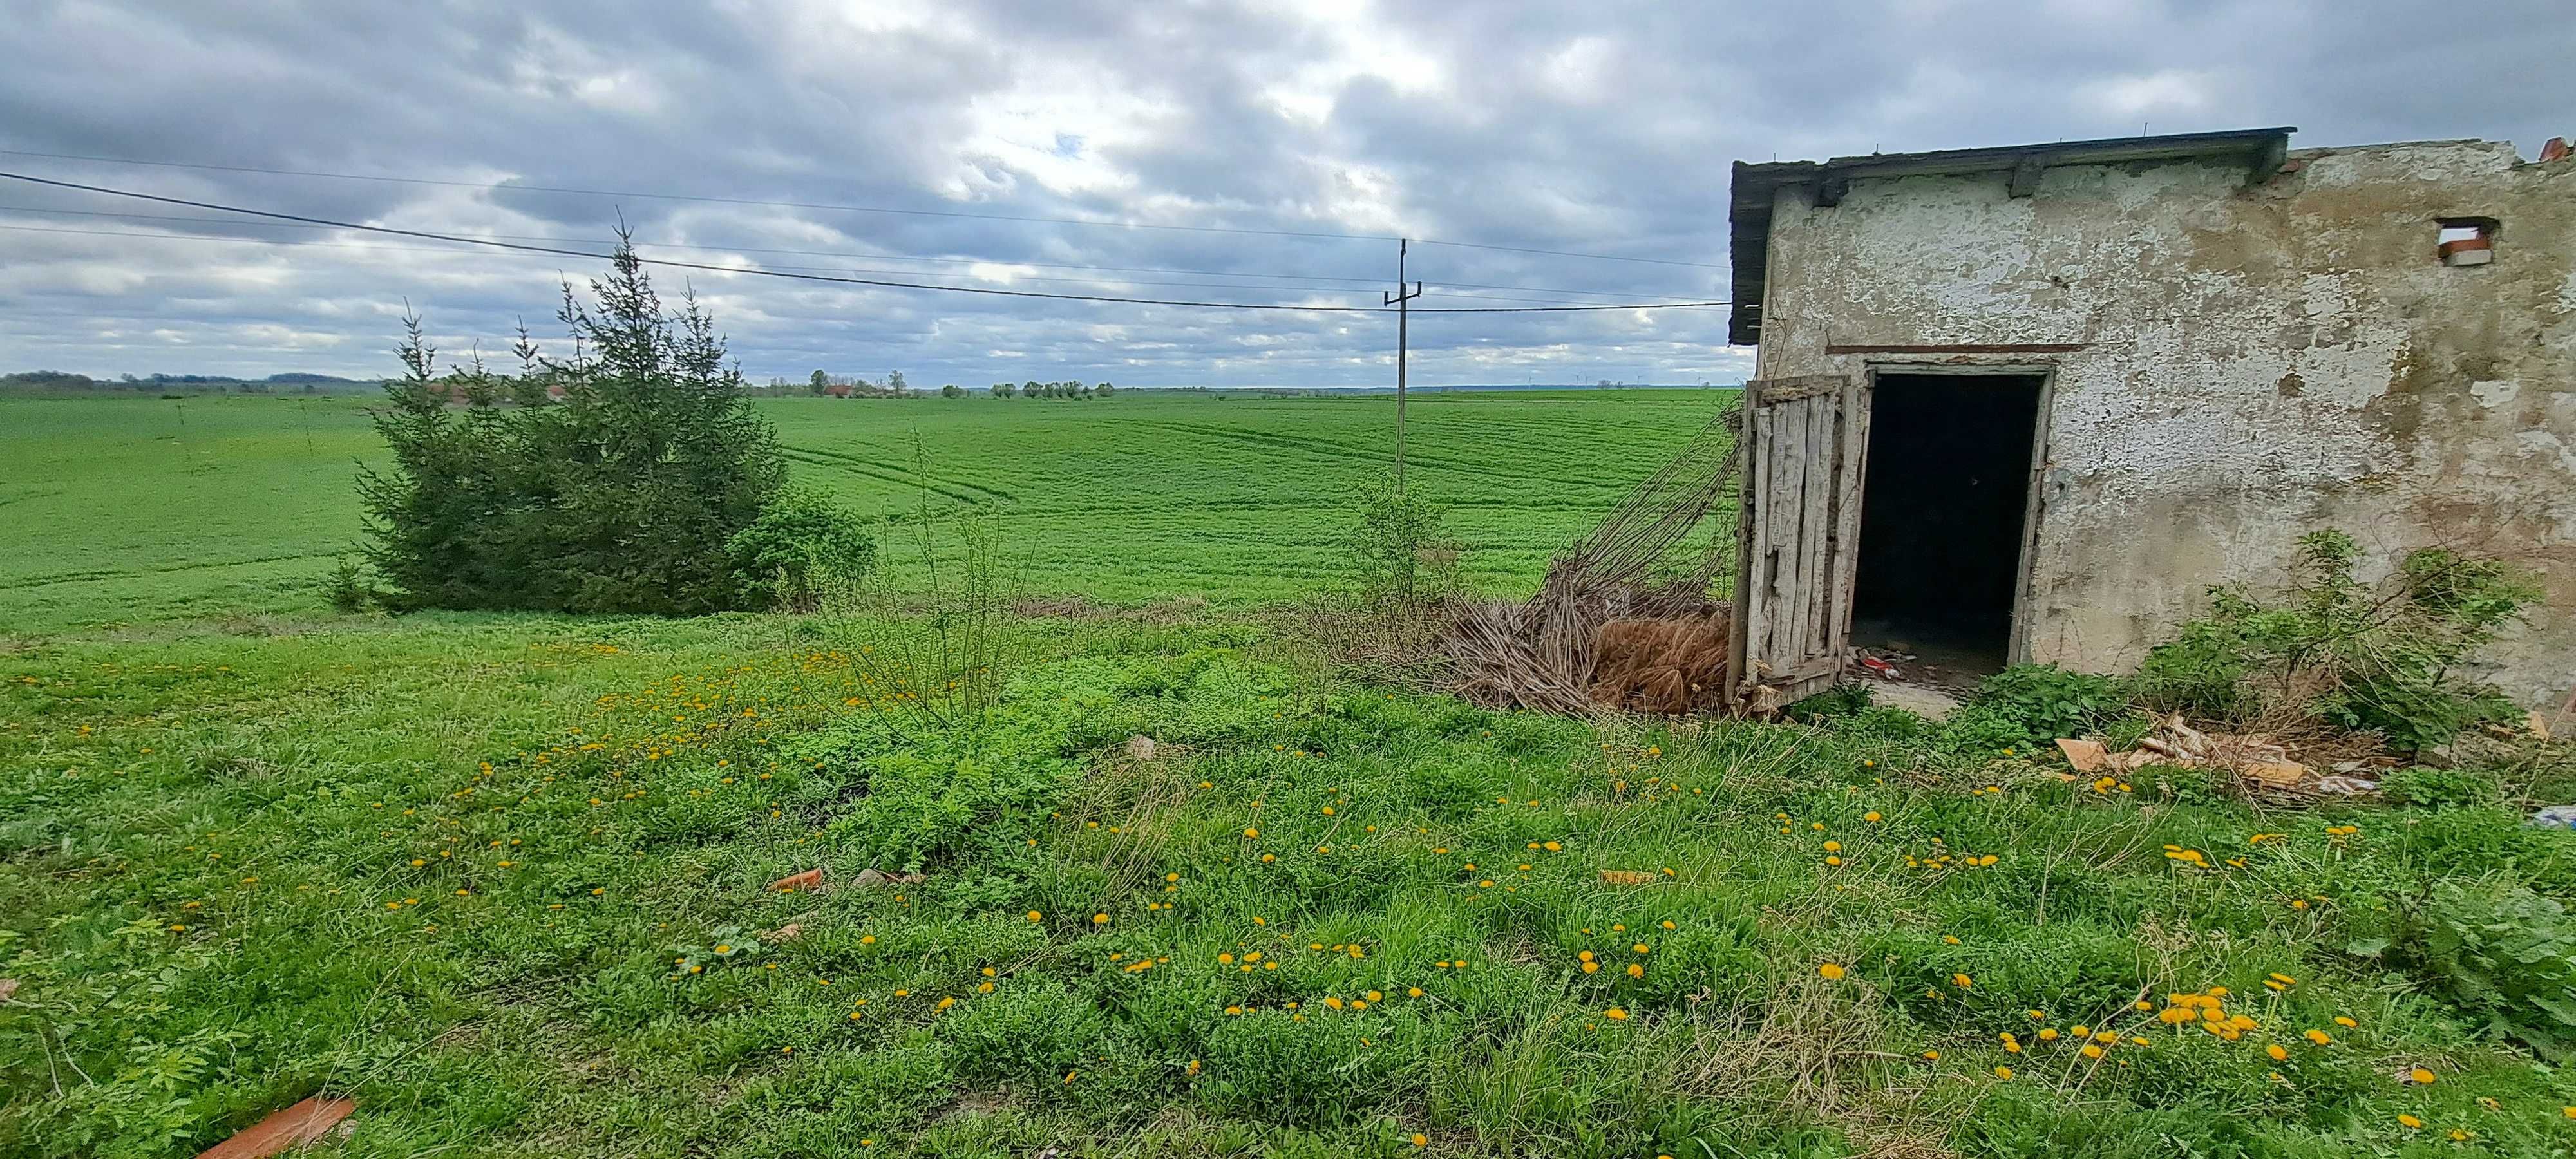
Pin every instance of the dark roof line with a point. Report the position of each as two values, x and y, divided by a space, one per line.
1756 186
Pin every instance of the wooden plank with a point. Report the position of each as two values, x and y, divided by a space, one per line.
1799 418
1849 490
1818 529
1757 560
1787 471
1739 637
1779 553
1828 444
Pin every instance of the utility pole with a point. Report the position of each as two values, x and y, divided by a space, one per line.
1401 299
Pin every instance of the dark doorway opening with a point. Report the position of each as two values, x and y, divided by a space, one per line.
1944 512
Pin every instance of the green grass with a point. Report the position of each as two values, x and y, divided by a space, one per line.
138 510
505 879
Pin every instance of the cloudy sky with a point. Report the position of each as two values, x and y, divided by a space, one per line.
746 134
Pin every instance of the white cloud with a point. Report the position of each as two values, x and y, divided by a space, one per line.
1521 123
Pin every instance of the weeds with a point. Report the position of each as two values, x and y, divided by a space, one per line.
935 655
477 860
1385 621
2505 954
2334 651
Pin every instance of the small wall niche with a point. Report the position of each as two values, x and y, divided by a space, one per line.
2465 241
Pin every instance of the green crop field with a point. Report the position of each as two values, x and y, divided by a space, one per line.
137 510
507 880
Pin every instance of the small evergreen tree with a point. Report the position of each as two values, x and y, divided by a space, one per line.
620 499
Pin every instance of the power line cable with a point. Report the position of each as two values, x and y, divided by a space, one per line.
505 186
415 249
764 272
1371 282
270 241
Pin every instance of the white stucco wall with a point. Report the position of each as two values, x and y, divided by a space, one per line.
2257 361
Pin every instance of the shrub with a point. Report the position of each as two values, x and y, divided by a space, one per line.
1386 621
2439 788
1402 555
2508 955
619 499
1846 699
348 588
2355 656
2029 705
801 544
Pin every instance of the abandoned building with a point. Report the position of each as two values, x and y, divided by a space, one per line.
2030 403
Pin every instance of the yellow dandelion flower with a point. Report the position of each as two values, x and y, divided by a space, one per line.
1831 971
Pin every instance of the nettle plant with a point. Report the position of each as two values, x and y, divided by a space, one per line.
2505 954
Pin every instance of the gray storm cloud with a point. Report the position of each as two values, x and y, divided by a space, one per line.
1603 129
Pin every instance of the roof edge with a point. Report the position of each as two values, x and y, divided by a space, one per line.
1755 185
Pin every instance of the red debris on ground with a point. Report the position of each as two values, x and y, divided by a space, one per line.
285 1130
806 882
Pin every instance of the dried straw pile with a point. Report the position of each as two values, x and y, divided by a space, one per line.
1628 617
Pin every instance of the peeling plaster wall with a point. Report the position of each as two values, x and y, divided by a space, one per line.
2257 361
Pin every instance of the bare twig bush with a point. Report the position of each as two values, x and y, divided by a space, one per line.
932 657
1652 567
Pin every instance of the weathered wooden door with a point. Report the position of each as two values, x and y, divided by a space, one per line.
1805 445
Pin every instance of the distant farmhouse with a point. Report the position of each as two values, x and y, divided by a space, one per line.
2029 403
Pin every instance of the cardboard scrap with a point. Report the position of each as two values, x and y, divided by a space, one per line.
2261 763
284 1130
2275 774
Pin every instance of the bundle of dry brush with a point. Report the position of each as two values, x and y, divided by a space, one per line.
1627 618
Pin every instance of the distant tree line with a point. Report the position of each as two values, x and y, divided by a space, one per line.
65 382
823 384
1071 390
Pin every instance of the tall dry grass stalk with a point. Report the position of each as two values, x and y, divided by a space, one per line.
933 657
